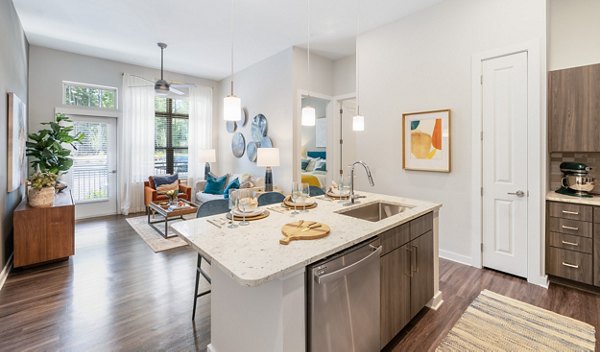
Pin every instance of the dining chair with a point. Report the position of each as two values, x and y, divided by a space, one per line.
212 207
315 191
270 198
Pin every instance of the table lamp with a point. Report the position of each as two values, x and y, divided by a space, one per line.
268 157
207 156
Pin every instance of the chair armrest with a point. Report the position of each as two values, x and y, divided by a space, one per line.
200 185
148 195
187 190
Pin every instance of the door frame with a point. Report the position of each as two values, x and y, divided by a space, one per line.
536 157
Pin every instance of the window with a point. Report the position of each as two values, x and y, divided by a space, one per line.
89 96
171 136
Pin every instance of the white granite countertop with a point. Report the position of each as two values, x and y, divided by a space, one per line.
557 197
252 255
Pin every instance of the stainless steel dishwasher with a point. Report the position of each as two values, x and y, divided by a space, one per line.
343 301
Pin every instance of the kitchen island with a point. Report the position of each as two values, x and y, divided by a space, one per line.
258 285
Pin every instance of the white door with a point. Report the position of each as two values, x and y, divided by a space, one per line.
93 178
505 164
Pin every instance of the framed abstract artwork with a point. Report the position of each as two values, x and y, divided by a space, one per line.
17 137
426 141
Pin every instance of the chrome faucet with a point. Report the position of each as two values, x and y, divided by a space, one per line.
353 196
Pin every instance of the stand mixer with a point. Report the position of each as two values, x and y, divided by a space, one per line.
576 181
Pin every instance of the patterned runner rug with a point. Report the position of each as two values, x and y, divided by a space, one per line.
493 322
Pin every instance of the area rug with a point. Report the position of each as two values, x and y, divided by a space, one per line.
153 238
493 322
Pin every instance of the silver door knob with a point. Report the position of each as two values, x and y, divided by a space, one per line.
517 193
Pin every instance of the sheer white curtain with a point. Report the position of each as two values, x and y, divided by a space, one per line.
136 148
200 131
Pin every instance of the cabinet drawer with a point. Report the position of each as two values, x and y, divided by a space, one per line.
571 211
421 225
575 243
395 238
571 227
569 265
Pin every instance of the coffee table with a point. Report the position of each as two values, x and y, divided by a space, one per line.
166 215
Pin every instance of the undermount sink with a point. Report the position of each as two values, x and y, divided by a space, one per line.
375 212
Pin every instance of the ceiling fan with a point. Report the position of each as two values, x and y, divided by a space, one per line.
161 86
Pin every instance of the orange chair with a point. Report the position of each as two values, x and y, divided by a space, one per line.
152 195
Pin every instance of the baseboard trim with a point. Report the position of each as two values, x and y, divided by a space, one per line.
455 257
5 271
436 302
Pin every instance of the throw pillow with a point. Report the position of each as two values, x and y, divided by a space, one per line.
321 165
168 186
215 185
235 184
158 180
304 164
247 184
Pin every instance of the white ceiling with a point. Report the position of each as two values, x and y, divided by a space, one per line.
198 31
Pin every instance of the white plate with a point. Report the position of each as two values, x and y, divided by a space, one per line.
255 212
307 202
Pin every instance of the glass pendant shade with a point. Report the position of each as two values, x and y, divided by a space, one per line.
358 123
232 106
309 116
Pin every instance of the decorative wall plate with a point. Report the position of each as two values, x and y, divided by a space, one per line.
259 127
231 126
252 148
238 145
266 142
243 119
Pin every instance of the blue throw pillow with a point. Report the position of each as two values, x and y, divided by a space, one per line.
164 180
215 185
235 184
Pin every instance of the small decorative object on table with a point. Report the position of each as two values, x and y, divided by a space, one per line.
41 191
172 195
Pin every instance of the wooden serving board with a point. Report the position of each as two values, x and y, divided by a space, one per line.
249 218
287 202
303 230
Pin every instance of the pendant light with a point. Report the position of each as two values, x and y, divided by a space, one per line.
232 105
309 114
358 121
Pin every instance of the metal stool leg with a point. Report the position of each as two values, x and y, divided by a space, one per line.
196 294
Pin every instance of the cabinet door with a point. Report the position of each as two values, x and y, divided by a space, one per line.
596 258
29 237
574 104
421 288
395 293
60 232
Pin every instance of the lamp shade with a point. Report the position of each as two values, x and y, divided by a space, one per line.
358 123
232 106
207 155
266 157
309 116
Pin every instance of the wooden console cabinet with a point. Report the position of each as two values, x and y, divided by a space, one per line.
44 234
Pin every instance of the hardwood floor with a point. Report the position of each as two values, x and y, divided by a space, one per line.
116 294
460 284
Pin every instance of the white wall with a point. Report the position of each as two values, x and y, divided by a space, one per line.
574 33
423 62
344 75
49 67
264 88
13 78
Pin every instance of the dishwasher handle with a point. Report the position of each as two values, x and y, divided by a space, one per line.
350 268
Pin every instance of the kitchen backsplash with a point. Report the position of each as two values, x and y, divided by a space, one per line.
590 159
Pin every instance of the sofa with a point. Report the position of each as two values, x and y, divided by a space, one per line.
247 181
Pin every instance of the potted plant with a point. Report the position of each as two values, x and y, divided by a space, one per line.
41 191
48 153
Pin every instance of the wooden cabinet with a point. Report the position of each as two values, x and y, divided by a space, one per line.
44 234
406 274
573 242
573 109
